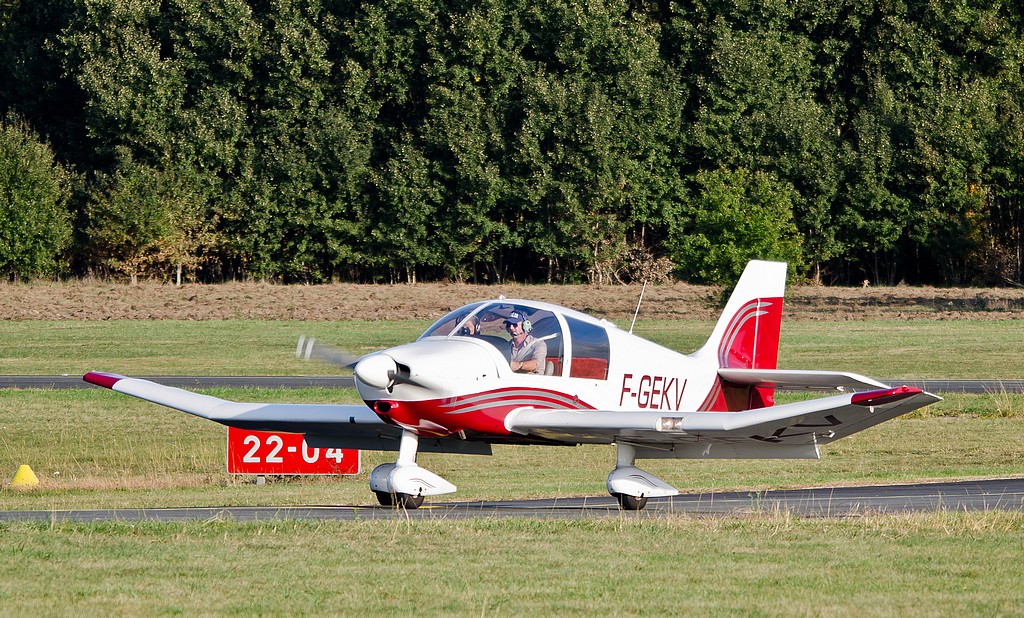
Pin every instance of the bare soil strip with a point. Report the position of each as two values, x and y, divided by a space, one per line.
90 300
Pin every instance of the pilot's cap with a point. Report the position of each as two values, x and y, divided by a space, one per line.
515 317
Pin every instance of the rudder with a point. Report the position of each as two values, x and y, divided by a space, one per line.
746 337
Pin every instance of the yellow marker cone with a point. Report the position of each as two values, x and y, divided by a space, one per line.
24 478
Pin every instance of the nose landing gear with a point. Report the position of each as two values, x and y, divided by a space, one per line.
404 484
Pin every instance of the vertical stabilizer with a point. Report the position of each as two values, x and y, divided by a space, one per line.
746 337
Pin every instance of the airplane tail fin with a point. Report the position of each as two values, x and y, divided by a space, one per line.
746 337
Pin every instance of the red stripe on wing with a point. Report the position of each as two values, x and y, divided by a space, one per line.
878 398
106 380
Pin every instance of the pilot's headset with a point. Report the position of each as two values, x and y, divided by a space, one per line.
527 324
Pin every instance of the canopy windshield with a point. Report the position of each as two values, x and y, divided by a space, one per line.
486 321
488 318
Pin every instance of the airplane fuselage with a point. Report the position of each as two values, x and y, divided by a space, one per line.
453 383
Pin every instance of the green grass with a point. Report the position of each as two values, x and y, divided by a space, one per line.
884 349
141 347
95 448
910 565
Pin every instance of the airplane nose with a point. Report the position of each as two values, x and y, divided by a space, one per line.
376 371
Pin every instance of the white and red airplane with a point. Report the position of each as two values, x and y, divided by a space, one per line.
456 389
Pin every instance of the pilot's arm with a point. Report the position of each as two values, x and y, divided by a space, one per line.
538 358
534 363
526 366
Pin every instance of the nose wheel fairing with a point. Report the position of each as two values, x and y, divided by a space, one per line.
395 479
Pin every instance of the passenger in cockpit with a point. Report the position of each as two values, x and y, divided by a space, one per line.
471 328
527 354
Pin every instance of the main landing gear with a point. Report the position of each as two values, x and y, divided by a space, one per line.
404 484
632 486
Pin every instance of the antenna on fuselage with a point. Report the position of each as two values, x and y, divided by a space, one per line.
638 307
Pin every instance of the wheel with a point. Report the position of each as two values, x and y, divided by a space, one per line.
399 501
408 501
385 498
631 503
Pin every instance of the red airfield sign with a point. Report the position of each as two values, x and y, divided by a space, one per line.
264 452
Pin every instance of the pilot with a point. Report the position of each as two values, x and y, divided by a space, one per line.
528 354
471 328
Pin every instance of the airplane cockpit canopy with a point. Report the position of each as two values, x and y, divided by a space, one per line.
486 321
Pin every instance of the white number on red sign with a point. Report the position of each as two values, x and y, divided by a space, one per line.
309 455
261 452
250 457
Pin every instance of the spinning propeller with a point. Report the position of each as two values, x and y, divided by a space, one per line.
375 369
308 349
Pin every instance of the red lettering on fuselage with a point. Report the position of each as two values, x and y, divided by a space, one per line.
653 392
644 393
625 389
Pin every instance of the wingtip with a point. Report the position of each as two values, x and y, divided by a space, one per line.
99 378
881 397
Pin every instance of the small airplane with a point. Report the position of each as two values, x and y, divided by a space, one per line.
521 372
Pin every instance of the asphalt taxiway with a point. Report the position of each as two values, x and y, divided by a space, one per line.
960 496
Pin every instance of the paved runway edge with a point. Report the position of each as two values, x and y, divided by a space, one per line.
952 496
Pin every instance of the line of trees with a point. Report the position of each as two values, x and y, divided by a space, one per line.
529 140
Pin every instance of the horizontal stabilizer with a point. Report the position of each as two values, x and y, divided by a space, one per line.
793 379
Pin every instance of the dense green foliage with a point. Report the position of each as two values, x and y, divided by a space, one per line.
540 141
34 225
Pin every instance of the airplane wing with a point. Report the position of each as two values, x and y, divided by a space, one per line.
325 425
794 430
790 379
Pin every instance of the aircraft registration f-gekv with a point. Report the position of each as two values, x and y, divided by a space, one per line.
459 388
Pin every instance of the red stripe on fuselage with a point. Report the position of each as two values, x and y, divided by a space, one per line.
484 412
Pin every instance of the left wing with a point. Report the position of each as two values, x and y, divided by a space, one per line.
325 425
792 430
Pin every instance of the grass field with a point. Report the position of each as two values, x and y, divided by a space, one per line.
95 448
884 349
917 565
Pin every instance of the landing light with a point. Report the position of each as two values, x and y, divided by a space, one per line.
670 423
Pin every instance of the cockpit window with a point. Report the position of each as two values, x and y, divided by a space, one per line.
452 322
590 350
488 321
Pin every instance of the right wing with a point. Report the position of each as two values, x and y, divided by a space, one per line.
325 425
793 430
